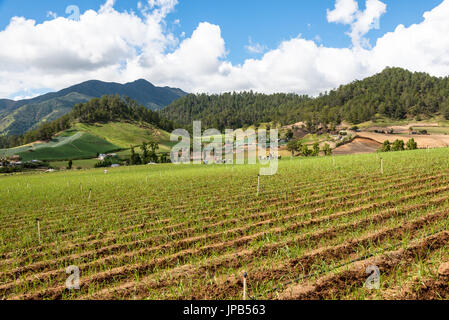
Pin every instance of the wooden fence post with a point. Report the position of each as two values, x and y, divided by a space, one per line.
258 184
38 229
245 275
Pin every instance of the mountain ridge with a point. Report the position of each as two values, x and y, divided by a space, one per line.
394 93
17 117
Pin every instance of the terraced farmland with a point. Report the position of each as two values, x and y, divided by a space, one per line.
189 232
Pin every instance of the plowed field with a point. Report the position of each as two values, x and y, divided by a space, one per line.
189 232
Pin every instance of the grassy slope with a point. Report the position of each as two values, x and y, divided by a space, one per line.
80 145
85 141
126 134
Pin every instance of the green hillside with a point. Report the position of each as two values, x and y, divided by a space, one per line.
70 145
126 134
17 117
30 115
104 125
84 141
395 93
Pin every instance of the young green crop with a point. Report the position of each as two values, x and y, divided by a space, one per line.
196 228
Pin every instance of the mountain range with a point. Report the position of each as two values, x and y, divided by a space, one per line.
17 117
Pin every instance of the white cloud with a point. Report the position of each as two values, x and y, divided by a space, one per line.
367 20
255 48
51 14
347 12
122 46
344 11
108 6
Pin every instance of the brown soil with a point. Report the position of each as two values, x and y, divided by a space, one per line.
330 285
229 285
424 142
427 289
358 146
186 252
304 263
103 246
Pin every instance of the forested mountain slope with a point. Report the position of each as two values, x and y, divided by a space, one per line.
394 93
17 117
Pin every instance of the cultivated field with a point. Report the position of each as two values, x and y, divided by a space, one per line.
70 145
189 232
358 146
430 141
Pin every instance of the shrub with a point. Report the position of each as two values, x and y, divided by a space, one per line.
327 150
412 145
305 151
315 149
292 146
398 145
106 163
386 147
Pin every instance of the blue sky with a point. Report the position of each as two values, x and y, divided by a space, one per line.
265 22
214 46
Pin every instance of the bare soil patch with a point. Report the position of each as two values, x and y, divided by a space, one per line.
429 141
360 145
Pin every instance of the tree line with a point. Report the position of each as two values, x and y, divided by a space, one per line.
296 146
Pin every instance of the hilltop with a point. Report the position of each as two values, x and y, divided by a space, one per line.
17 117
395 93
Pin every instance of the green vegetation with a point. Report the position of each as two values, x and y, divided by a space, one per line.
126 134
107 163
386 146
80 145
103 110
412 145
394 94
76 164
299 146
124 124
399 145
18 117
195 229
327 149
35 112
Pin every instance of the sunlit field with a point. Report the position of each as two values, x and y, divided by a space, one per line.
190 232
